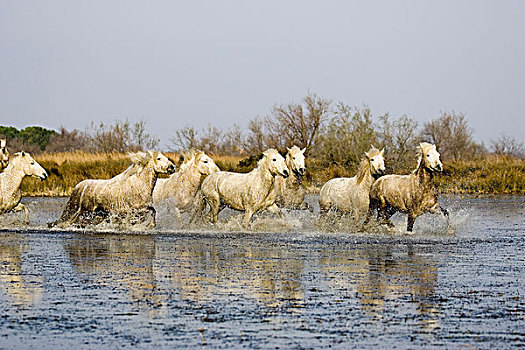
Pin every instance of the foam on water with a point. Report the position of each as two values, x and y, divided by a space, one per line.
463 220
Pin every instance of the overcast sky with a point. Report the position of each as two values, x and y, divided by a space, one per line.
175 63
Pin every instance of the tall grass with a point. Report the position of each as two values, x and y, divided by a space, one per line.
493 175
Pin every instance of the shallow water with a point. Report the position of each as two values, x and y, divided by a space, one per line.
284 284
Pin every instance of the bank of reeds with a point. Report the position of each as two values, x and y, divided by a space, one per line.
493 175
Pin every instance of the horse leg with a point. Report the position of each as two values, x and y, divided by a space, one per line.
198 209
20 207
153 213
214 203
444 211
274 209
372 206
178 215
410 221
247 217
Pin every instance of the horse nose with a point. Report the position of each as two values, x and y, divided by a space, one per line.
285 173
44 176
302 171
171 169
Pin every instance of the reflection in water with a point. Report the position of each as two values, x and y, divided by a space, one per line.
22 288
121 262
196 271
206 270
269 275
379 276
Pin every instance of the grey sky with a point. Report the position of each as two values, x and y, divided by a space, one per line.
178 63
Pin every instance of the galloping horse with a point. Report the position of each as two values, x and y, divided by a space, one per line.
414 194
4 154
290 192
181 187
352 194
130 192
20 166
251 192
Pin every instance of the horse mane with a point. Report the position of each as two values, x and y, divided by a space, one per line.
138 161
420 149
189 156
364 165
364 168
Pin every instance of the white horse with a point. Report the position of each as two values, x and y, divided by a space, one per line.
20 166
414 194
290 192
352 194
4 154
130 192
180 188
251 192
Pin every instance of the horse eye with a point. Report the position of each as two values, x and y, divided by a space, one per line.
158 158
32 163
372 159
294 158
274 160
428 155
205 161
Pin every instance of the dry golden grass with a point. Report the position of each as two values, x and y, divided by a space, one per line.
494 175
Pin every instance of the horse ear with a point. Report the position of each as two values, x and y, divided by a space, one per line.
288 149
303 150
23 154
382 152
367 154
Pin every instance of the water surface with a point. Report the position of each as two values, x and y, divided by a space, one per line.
290 285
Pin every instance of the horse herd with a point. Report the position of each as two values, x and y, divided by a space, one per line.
132 196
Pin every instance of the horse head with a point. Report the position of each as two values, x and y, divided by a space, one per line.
205 165
295 160
428 154
275 163
161 163
376 161
28 165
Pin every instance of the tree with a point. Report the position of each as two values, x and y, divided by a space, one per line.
120 137
349 134
8 132
509 146
298 123
399 138
185 138
36 135
67 141
452 136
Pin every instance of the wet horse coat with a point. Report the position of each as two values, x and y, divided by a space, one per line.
127 193
290 192
180 189
11 177
251 192
352 194
414 194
